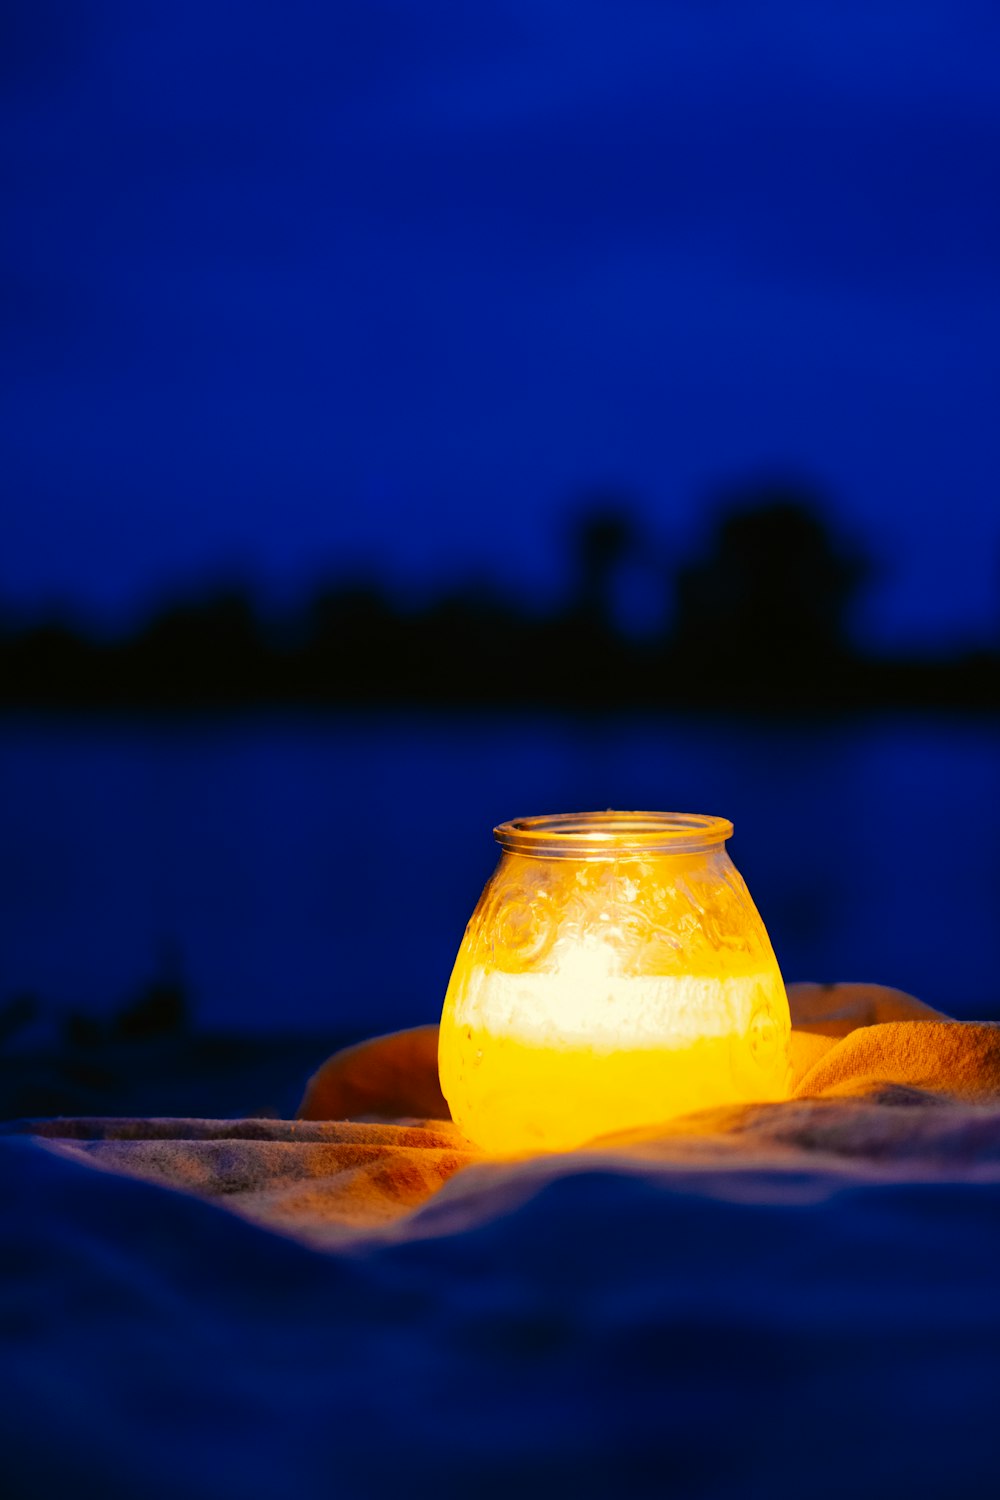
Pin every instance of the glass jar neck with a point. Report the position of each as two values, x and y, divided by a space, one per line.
612 835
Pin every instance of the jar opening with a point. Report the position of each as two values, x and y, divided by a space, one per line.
611 834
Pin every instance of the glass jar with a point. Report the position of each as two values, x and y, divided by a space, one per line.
614 974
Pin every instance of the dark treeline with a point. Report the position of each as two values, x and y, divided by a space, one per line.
761 620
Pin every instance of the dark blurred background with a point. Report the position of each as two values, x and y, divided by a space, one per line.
418 416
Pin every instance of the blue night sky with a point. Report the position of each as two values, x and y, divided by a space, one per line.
292 290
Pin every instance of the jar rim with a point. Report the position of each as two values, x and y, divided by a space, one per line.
610 834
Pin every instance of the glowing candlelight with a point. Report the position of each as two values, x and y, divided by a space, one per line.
615 973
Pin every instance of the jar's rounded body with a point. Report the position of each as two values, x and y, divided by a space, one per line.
604 987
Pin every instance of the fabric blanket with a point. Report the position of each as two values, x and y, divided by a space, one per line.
780 1299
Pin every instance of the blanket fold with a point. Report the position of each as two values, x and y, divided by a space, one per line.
880 1085
755 1300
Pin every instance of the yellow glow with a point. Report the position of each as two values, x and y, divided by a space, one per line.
614 990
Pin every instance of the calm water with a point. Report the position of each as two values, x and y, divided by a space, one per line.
312 873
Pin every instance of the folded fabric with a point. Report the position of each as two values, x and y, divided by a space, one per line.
766 1300
364 1157
846 1038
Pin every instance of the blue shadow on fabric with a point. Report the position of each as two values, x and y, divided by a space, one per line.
602 1336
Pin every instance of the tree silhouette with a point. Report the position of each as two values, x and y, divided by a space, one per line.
761 624
603 538
767 608
205 649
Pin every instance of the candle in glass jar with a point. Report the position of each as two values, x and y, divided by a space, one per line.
606 986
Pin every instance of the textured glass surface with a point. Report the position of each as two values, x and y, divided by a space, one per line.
597 994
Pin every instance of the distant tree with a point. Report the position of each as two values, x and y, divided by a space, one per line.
603 538
49 662
355 644
770 600
206 650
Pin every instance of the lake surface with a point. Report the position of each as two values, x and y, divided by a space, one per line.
312 873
